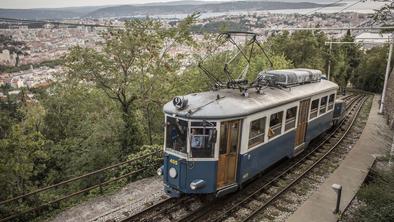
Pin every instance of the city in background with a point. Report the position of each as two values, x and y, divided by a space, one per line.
47 43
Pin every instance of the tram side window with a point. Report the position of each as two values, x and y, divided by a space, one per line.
323 104
331 102
291 118
314 108
200 144
275 124
257 132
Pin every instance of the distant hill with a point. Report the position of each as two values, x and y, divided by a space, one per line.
38 14
133 10
166 8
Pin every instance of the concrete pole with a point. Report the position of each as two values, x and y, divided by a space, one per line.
329 63
387 74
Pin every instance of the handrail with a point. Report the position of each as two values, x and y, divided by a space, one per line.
70 195
76 178
99 185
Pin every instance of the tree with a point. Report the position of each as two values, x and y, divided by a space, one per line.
385 15
22 163
352 56
304 48
369 75
133 61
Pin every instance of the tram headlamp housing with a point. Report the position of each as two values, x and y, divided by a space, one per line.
160 171
172 172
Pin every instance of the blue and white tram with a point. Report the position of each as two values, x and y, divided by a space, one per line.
215 141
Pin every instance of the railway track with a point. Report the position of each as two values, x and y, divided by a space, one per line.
260 194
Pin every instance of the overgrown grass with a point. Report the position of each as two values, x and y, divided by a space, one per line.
376 197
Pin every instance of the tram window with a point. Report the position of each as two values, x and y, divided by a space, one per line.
323 104
291 118
223 139
331 102
257 132
176 137
314 108
234 137
200 145
275 124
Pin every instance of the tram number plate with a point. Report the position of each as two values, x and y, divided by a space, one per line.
175 162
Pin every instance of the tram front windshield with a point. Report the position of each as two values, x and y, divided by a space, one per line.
201 145
176 134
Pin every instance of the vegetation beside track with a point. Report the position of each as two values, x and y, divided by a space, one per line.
374 201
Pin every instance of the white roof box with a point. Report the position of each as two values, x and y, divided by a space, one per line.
288 77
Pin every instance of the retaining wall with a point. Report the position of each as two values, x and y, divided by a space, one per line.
389 101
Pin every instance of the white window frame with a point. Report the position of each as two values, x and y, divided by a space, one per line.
319 96
326 106
171 151
295 118
250 126
333 102
267 113
310 108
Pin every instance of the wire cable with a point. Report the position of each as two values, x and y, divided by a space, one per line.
349 6
327 6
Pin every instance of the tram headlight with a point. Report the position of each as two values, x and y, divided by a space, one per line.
159 171
172 172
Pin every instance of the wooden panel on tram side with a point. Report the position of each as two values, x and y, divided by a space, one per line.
231 168
302 122
221 173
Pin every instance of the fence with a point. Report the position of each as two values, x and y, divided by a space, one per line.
138 166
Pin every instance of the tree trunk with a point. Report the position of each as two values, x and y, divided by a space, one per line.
148 116
131 137
17 60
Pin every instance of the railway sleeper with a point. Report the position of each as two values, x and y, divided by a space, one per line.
280 206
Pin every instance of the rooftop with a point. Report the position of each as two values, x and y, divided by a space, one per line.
229 103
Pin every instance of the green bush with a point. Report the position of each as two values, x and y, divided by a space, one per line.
377 197
149 163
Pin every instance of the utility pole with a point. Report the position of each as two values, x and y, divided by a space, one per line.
386 77
329 62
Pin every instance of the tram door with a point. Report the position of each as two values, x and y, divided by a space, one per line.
302 124
228 152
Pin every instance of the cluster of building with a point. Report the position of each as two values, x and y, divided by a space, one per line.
48 43
259 21
32 78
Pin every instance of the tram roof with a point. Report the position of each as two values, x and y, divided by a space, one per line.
232 104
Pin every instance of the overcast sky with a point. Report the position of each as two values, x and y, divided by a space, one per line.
69 3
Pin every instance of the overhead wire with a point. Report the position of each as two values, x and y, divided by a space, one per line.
349 6
327 6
